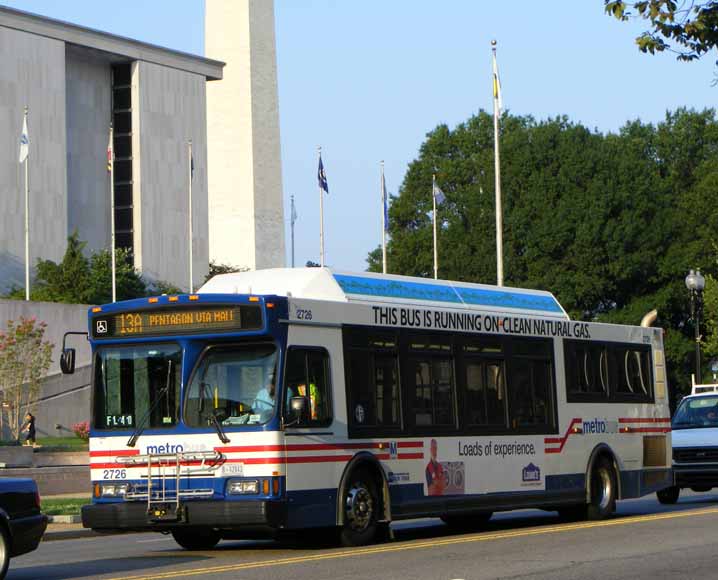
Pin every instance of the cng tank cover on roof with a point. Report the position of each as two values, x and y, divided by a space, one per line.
323 284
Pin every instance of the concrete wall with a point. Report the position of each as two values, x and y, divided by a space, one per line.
63 399
88 119
170 109
245 182
32 73
59 318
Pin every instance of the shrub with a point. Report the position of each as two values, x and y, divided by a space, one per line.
82 430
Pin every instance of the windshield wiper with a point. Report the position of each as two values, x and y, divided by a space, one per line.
215 422
143 423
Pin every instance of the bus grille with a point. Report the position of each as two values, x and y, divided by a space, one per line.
695 454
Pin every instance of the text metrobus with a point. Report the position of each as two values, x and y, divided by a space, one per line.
291 399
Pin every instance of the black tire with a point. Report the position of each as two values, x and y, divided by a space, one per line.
669 496
604 489
701 489
196 538
4 552
362 507
467 521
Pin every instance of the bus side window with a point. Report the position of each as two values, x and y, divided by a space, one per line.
307 375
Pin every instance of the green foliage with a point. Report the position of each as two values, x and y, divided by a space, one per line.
63 506
25 357
689 29
78 279
216 268
610 223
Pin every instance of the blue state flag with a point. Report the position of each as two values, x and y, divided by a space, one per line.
322 177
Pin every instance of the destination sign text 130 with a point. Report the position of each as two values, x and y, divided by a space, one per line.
194 320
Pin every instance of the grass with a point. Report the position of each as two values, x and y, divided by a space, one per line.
62 444
69 506
53 444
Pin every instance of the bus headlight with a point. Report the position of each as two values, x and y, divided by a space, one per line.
242 486
114 490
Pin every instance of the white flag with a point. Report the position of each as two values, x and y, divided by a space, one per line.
439 195
24 141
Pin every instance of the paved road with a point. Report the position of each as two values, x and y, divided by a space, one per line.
645 540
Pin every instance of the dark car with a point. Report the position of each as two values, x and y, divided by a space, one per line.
21 523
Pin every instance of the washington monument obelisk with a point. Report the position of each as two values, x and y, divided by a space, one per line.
246 217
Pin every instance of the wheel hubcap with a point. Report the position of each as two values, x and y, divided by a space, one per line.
359 507
604 489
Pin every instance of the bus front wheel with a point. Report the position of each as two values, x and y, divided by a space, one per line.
196 539
361 509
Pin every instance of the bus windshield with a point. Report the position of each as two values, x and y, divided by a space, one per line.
234 384
696 412
129 380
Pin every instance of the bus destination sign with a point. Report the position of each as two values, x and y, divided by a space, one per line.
172 321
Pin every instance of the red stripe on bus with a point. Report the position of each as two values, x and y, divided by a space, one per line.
261 460
249 448
561 440
649 430
315 447
411 444
118 453
645 420
410 456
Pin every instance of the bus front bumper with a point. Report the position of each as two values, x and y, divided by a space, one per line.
229 515
696 474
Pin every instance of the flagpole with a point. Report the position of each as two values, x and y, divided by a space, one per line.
321 217
291 221
189 168
111 162
27 221
383 220
436 254
497 174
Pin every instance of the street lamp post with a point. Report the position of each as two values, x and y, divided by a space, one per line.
695 282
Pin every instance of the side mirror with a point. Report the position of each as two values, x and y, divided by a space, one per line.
298 406
67 361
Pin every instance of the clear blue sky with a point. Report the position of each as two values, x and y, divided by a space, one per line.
367 79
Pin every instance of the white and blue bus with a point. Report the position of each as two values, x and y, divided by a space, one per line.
304 398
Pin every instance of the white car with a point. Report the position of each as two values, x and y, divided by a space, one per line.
695 443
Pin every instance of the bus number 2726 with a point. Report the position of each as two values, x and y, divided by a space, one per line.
303 314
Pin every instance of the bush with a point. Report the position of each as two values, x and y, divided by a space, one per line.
82 430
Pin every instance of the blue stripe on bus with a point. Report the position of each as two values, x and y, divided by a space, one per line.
365 286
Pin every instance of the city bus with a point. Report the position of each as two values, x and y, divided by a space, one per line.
299 399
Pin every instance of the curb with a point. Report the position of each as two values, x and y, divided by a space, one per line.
77 519
51 536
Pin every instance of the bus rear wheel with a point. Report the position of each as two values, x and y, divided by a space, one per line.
196 538
361 509
603 490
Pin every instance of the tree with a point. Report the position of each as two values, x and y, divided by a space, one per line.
24 359
216 268
689 29
610 223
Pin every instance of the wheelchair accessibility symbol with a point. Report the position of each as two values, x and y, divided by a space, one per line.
102 327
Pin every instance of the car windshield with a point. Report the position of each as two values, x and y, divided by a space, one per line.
236 385
132 380
696 412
